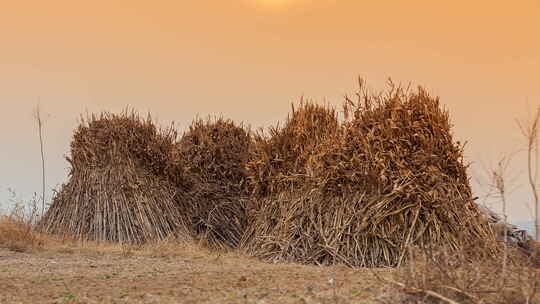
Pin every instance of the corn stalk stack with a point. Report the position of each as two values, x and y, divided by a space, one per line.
362 191
124 183
214 153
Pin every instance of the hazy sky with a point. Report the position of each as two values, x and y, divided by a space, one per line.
248 60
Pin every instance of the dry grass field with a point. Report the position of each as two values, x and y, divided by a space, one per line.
38 268
67 272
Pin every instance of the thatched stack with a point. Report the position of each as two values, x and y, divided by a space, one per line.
281 155
390 176
123 184
214 153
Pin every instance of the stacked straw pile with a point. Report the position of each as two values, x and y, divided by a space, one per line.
122 185
282 154
214 153
316 190
389 177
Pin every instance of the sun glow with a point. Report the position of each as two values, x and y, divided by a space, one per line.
272 3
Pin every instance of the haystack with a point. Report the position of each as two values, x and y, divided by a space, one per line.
390 177
282 153
123 185
214 153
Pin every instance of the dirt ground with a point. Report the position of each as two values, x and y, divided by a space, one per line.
173 274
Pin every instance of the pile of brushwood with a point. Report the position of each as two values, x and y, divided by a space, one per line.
280 156
214 153
361 191
321 189
131 182
123 184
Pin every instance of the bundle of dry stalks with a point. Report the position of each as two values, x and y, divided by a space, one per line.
108 138
123 184
280 156
389 177
214 153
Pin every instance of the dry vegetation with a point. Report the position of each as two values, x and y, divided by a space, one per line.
383 186
16 235
441 276
71 271
360 192
17 228
282 153
213 153
122 183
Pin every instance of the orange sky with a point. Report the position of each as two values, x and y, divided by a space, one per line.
249 59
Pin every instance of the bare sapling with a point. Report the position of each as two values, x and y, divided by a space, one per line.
529 130
499 186
39 120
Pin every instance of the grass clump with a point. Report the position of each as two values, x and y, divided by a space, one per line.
443 275
17 228
17 236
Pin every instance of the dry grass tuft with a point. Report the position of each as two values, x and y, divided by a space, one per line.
447 276
18 236
359 193
17 228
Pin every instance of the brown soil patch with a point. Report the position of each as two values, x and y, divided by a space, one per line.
173 274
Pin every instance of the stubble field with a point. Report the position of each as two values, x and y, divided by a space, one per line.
173 273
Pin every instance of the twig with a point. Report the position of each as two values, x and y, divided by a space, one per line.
460 291
427 292
409 235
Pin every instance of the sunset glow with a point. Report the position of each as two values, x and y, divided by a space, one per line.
248 60
272 3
